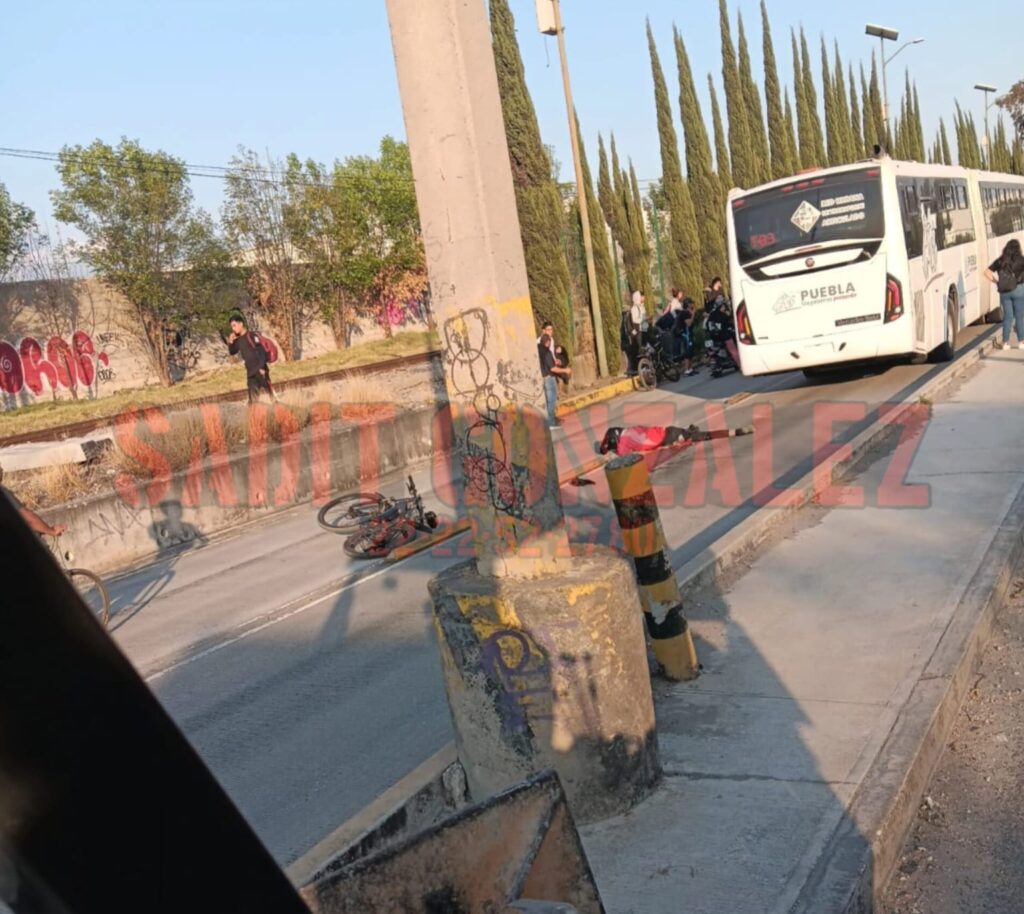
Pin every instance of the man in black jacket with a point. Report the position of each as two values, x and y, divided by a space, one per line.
249 346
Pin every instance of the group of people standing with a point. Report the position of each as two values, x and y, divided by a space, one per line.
676 323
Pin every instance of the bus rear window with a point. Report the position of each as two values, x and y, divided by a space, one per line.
838 207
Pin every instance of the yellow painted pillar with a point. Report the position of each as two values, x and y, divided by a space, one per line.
644 539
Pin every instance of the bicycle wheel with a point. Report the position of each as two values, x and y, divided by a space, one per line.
377 541
349 512
647 374
93 592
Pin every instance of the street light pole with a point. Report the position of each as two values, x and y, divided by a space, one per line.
883 35
985 89
581 190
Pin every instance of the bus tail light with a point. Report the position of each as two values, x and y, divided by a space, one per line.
893 299
743 328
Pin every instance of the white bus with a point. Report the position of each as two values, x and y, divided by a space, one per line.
863 262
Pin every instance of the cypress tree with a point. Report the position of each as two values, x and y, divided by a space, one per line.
803 119
791 144
721 147
781 162
945 156
918 124
605 191
538 199
1017 164
856 131
755 116
633 238
638 229
832 128
879 133
744 173
705 188
973 144
811 96
608 294
847 143
866 113
684 254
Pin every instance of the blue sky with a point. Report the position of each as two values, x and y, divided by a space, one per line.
198 78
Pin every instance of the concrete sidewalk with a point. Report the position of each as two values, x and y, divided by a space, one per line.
785 759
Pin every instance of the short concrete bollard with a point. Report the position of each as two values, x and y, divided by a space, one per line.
644 539
550 672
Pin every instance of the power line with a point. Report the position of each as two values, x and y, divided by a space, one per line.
255 173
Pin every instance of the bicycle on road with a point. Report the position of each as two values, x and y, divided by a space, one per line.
376 525
89 585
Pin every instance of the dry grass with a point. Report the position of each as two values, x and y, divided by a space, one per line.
50 414
49 485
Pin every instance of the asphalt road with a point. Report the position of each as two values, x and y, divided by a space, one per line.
310 683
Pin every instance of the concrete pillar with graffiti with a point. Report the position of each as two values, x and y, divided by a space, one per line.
542 645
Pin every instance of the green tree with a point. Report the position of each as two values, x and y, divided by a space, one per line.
755 116
918 124
781 155
538 199
17 222
805 129
357 228
722 163
946 157
741 153
144 238
812 102
607 291
254 218
791 142
833 129
705 188
856 130
847 141
638 264
683 254
879 133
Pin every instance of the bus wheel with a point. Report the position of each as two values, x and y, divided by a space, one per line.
947 349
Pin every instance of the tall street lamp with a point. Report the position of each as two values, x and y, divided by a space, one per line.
883 35
985 90
549 21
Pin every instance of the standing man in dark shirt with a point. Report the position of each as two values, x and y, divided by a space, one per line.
248 345
550 371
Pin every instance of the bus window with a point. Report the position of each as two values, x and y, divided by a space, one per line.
911 215
947 197
841 207
961 196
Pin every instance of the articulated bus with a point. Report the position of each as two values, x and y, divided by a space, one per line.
878 260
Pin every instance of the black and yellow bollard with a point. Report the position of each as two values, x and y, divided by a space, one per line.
644 539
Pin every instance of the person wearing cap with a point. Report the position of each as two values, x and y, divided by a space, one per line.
34 521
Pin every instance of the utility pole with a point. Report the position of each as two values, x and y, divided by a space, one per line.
985 89
522 621
548 26
883 35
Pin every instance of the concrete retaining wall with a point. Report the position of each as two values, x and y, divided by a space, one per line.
140 520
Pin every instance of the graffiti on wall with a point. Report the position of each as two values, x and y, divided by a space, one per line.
65 364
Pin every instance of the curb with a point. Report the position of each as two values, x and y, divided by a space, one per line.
852 870
608 392
370 818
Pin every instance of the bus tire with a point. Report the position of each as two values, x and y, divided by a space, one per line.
946 350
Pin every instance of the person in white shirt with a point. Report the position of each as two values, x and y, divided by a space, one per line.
634 323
